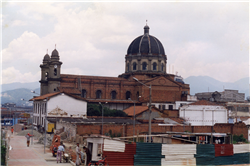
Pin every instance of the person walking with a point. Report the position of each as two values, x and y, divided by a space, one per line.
77 154
60 151
12 130
28 139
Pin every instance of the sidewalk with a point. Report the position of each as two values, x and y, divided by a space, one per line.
32 155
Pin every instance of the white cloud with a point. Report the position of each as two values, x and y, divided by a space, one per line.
10 75
18 23
92 38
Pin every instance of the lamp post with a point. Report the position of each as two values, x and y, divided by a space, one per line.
150 98
46 107
102 116
133 121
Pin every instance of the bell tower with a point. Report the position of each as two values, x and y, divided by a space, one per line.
50 73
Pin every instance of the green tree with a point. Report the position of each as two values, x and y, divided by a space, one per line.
96 110
239 138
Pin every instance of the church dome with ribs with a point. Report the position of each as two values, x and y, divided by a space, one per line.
145 56
146 45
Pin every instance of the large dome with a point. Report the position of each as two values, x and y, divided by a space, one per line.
146 44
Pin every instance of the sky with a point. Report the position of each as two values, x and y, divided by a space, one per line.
92 38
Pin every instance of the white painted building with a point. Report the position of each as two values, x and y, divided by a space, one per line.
58 104
176 105
203 113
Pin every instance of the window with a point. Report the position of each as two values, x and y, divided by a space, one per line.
159 107
137 95
46 76
98 94
128 94
170 107
113 94
128 67
163 107
55 72
144 66
84 93
162 67
154 66
134 66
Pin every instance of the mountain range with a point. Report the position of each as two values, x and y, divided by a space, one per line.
13 92
208 84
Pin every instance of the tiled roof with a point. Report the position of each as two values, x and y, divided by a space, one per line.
110 120
138 110
44 96
110 101
204 102
49 95
69 76
178 120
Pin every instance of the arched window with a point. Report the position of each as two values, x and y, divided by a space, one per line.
113 94
162 67
134 66
55 72
46 76
144 66
84 93
128 95
128 67
137 95
98 94
154 66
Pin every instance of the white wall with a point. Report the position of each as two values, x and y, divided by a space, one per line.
68 104
95 142
201 115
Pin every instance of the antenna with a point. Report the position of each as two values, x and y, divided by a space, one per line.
146 22
55 46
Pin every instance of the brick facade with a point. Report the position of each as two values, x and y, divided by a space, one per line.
127 130
164 88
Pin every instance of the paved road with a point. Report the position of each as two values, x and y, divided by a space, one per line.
33 155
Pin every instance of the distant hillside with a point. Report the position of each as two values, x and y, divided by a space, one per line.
18 85
15 96
205 84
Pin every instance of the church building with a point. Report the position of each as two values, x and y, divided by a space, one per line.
145 66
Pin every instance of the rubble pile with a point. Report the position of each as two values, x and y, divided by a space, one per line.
25 132
63 135
41 140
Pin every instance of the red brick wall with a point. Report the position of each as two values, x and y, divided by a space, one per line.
127 130
161 92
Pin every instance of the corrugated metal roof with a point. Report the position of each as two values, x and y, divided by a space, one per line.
148 154
119 158
241 148
223 150
178 149
114 146
106 120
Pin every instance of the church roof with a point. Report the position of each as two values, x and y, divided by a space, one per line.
146 44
